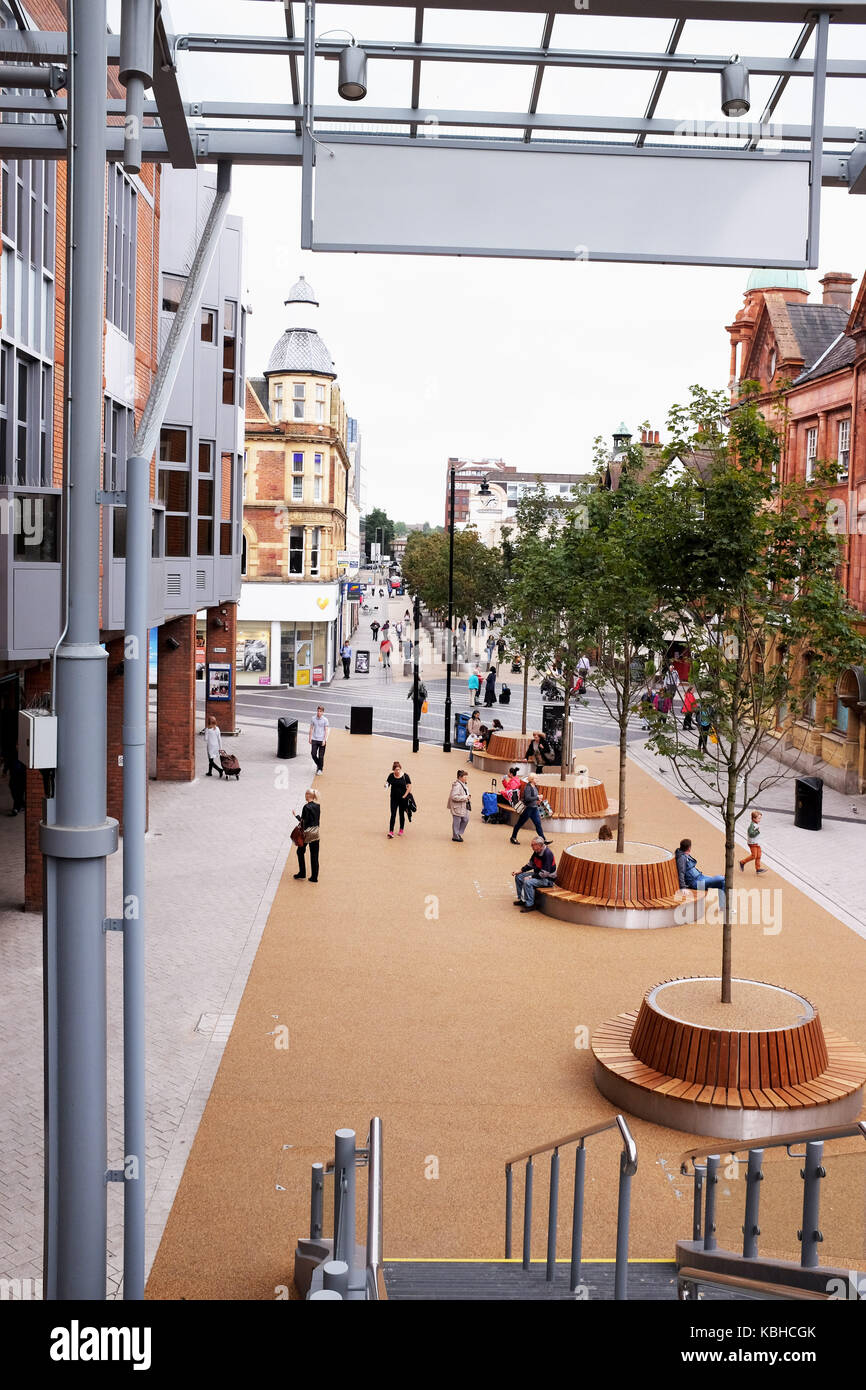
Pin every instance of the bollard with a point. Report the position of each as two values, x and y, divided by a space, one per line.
751 1229
577 1216
552 1213
344 1195
335 1276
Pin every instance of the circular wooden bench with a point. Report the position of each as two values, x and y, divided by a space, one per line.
728 1083
637 890
505 750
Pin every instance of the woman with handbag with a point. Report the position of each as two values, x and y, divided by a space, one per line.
306 832
539 751
459 805
400 784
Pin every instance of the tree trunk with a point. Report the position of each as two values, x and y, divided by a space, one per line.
525 688
623 750
730 830
564 759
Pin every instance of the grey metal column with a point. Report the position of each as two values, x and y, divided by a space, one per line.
446 744
135 698
81 836
819 100
416 703
751 1229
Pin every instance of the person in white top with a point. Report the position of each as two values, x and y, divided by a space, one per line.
319 727
213 742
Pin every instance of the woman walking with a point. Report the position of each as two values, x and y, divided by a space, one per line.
459 805
400 784
531 798
490 688
214 745
308 824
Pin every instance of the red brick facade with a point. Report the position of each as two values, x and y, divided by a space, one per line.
222 640
175 701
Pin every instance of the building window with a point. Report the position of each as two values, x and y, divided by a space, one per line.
22 419
230 313
843 452
204 543
811 451
173 287
317 463
27 399
120 249
299 395
243 554
4 411
278 400
245 476
297 463
317 489
315 548
173 490
841 717
296 550
206 449
227 505
298 488
37 538
320 405
207 331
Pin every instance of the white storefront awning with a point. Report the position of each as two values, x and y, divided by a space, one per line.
289 603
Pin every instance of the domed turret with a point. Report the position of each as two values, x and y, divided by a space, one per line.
300 349
769 279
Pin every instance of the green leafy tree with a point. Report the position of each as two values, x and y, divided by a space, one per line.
746 568
524 557
372 522
479 578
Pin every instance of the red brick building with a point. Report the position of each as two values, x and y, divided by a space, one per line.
819 349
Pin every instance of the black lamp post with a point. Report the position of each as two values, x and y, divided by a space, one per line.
446 745
416 703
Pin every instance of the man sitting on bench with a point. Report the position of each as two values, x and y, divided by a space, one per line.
690 875
540 872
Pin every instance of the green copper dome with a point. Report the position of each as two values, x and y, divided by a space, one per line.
777 280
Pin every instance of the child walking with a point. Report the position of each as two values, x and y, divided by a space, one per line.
753 835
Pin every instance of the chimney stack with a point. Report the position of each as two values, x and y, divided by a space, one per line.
838 287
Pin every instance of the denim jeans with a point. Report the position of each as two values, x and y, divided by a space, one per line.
712 881
529 813
526 886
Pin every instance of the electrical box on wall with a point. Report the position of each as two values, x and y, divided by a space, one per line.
37 738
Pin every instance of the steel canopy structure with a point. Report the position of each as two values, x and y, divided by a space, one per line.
423 179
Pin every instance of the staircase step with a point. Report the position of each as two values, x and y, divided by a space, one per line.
506 1280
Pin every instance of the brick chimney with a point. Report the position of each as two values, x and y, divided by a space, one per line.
838 287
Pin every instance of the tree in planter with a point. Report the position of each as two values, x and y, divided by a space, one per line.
620 604
373 521
746 568
524 555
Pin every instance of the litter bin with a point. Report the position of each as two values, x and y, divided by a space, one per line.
808 802
460 722
287 738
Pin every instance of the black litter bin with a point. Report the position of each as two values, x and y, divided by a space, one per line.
808 802
287 738
460 722
552 721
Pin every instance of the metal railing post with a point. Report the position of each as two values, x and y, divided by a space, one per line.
697 1202
751 1229
509 1209
577 1216
810 1234
623 1216
335 1276
344 1195
317 1200
710 1210
552 1215
527 1214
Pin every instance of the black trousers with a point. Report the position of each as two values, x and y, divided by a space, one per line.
317 753
313 847
212 766
395 807
347 661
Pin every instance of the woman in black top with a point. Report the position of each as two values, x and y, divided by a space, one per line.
309 823
400 784
538 748
490 688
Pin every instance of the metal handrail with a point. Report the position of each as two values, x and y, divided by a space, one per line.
376 1290
627 1169
783 1141
705 1175
618 1122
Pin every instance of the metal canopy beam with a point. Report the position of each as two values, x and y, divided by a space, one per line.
661 77
753 11
169 100
759 65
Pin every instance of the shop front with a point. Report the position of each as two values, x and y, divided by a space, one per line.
287 634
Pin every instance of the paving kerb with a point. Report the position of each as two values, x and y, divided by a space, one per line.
460 1031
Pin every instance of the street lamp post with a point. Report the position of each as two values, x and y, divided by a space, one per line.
446 746
416 703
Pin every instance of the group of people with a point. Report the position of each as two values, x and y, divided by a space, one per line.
659 694
478 735
474 683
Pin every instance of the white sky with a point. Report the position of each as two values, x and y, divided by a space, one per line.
525 360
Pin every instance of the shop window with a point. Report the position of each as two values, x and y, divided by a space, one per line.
296 550
173 287
120 251
208 328
230 311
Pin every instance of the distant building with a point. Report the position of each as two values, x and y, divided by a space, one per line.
298 501
491 513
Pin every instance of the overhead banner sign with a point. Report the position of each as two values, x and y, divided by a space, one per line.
437 198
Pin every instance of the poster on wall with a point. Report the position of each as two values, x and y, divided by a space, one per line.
362 663
302 678
353 592
318 675
219 681
254 654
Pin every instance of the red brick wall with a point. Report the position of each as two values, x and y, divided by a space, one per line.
175 702
227 638
270 475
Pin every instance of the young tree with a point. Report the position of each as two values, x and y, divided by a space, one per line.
746 567
524 557
478 573
374 521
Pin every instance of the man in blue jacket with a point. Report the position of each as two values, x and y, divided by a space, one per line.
690 875
540 872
